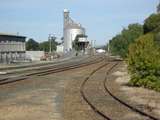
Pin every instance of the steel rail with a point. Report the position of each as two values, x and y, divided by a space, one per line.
94 108
43 67
43 73
58 69
122 101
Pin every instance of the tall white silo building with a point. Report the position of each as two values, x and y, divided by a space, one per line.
70 31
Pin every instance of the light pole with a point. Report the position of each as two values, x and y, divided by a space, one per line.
94 43
108 48
108 45
49 39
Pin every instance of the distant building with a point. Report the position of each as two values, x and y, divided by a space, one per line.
35 55
12 48
100 51
60 48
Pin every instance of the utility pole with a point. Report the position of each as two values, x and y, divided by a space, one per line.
51 38
108 49
91 49
158 8
91 43
94 43
50 47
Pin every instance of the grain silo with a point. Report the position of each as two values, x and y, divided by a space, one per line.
70 31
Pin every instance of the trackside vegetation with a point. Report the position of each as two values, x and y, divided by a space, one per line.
140 48
120 43
144 62
31 44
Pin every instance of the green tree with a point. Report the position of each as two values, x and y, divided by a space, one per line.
151 23
119 44
31 44
45 46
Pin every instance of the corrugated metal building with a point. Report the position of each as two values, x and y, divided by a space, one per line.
12 48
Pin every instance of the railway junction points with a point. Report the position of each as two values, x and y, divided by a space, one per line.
87 88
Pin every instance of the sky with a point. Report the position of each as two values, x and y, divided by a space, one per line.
102 19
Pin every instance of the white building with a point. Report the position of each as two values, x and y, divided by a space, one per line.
35 55
60 48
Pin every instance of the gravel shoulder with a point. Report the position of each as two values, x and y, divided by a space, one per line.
144 99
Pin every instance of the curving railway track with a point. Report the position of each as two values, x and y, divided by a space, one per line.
93 97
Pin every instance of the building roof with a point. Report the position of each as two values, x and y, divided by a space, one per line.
12 35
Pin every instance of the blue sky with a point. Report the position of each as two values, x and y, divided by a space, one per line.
102 18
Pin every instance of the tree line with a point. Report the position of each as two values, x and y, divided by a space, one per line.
32 45
139 45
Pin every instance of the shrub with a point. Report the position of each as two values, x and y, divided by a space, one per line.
144 62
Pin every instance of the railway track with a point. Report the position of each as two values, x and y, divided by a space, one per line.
49 70
36 67
108 93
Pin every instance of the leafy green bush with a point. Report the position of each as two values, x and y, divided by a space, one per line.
144 62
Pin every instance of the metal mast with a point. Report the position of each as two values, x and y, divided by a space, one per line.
158 8
50 46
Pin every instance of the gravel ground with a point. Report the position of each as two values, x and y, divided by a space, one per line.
144 99
42 98
77 109
57 97
32 99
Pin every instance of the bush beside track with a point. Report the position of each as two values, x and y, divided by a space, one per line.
142 54
144 62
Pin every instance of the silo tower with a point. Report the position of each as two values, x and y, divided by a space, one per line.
66 17
70 30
